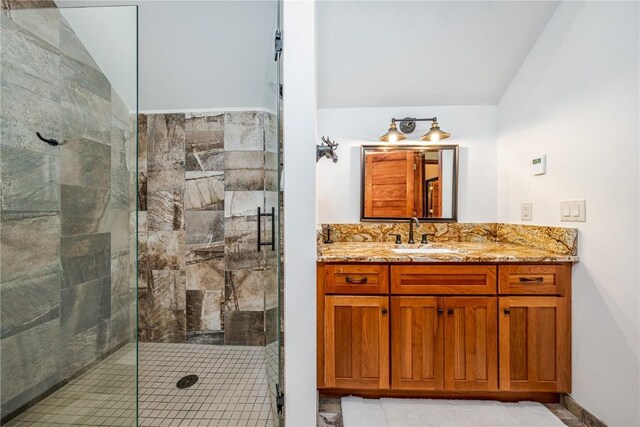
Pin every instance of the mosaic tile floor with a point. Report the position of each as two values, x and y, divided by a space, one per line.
232 390
105 395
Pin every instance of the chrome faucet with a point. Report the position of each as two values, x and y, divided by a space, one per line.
414 219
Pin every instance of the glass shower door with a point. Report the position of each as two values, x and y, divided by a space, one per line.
67 140
273 227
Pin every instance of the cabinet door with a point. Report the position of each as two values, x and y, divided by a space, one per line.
535 344
416 343
356 342
471 343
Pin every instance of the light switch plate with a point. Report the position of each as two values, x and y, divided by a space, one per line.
573 210
526 213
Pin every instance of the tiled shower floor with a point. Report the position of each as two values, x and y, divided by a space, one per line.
104 395
232 390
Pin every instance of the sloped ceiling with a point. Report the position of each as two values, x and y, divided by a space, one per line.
412 53
218 54
192 54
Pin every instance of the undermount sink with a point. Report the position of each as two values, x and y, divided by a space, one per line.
424 251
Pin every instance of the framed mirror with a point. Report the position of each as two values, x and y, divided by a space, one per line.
404 181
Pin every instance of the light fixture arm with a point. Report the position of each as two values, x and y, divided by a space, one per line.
408 124
410 119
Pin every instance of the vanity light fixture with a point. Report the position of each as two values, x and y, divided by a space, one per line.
393 134
408 125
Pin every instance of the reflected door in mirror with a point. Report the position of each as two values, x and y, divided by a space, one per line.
392 184
400 182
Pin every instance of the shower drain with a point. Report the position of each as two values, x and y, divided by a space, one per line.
186 382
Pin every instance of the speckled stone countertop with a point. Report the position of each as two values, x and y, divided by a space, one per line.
486 252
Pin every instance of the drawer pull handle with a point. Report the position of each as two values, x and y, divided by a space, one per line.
532 279
361 281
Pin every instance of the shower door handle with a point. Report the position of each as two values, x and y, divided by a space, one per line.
272 243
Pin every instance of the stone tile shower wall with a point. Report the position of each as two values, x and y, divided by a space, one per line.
66 298
201 178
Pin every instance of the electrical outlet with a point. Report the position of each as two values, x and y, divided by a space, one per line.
526 211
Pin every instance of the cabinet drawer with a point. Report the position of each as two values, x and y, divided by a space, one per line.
534 279
443 279
356 279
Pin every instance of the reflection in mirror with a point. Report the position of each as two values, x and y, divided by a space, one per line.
400 182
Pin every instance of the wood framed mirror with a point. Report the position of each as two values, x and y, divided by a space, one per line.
404 181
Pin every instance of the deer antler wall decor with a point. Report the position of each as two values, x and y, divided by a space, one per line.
327 149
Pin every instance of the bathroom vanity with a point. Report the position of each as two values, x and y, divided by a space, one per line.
467 319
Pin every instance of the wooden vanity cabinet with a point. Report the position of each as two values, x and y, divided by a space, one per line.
443 279
554 279
445 343
471 343
417 345
535 344
356 342
359 279
446 330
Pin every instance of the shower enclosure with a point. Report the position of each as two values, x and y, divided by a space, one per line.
209 241
140 253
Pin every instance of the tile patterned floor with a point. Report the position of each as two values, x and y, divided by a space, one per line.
232 390
105 395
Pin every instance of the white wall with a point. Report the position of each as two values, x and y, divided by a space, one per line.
198 54
299 72
473 128
576 99
109 34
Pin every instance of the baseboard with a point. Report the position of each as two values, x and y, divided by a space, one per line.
502 396
582 414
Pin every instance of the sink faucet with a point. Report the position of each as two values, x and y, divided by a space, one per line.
414 219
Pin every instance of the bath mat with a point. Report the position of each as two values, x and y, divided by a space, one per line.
359 412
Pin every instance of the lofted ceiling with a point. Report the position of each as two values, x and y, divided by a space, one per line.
416 53
192 54
385 53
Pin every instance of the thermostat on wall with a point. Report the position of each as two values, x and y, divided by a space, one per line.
539 165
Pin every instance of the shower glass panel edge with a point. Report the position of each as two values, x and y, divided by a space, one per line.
273 203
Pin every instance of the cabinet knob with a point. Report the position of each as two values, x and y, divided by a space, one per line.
440 311
507 311
384 311
450 311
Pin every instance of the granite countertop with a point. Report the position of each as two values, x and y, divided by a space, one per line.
489 252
